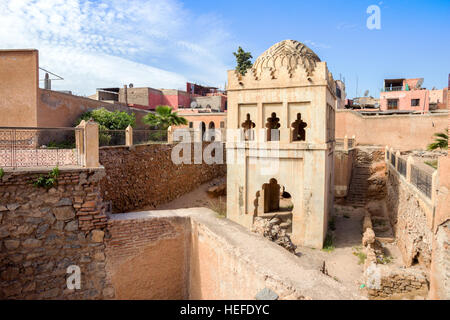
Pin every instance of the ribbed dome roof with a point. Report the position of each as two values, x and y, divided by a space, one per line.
287 53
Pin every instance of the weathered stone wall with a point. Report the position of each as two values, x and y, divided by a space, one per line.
42 232
440 268
147 258
408 212
145 176
399 283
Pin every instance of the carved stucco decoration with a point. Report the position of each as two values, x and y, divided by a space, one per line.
288 53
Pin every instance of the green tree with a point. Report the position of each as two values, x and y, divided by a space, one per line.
109 120
243 61
441 141
163 118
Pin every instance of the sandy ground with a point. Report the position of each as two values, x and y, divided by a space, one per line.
340 262
198 198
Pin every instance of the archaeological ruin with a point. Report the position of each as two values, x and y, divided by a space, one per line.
284 108
306 204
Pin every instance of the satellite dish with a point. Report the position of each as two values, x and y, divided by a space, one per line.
130 85
366 93
194 104
419 83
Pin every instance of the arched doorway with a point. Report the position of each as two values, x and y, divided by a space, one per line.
273 201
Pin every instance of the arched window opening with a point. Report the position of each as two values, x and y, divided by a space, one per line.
299 132
248 126
273 128
211 129
203 126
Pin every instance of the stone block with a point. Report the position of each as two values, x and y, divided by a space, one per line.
64 213
71 226
64 202
31 243
13 206
97 235
4 232
12 244
266 294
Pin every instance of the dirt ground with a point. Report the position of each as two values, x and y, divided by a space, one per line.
199 198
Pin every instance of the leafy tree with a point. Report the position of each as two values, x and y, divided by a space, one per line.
243 61
441 141
109 120
163 118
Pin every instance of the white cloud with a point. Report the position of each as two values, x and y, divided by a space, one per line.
317 45
93 44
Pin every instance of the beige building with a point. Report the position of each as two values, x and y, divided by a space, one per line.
281 161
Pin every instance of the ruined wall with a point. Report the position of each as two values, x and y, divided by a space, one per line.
42 232
440 267
343 164
402 132
147 258
145 175
399 284
409 213
193 254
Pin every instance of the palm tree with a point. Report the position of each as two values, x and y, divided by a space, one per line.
441 141
163 118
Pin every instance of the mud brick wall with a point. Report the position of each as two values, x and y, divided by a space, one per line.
145 176
42 232
147 258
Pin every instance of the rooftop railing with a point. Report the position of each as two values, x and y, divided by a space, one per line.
423 180
388 89
345 143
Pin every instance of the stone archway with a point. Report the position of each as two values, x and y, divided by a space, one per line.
273 201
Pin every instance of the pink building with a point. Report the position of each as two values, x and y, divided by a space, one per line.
149 98
408 95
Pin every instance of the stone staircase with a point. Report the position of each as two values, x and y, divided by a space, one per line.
359 184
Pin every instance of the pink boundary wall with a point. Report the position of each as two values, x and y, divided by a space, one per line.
403 132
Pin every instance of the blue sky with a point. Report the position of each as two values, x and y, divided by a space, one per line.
163 43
